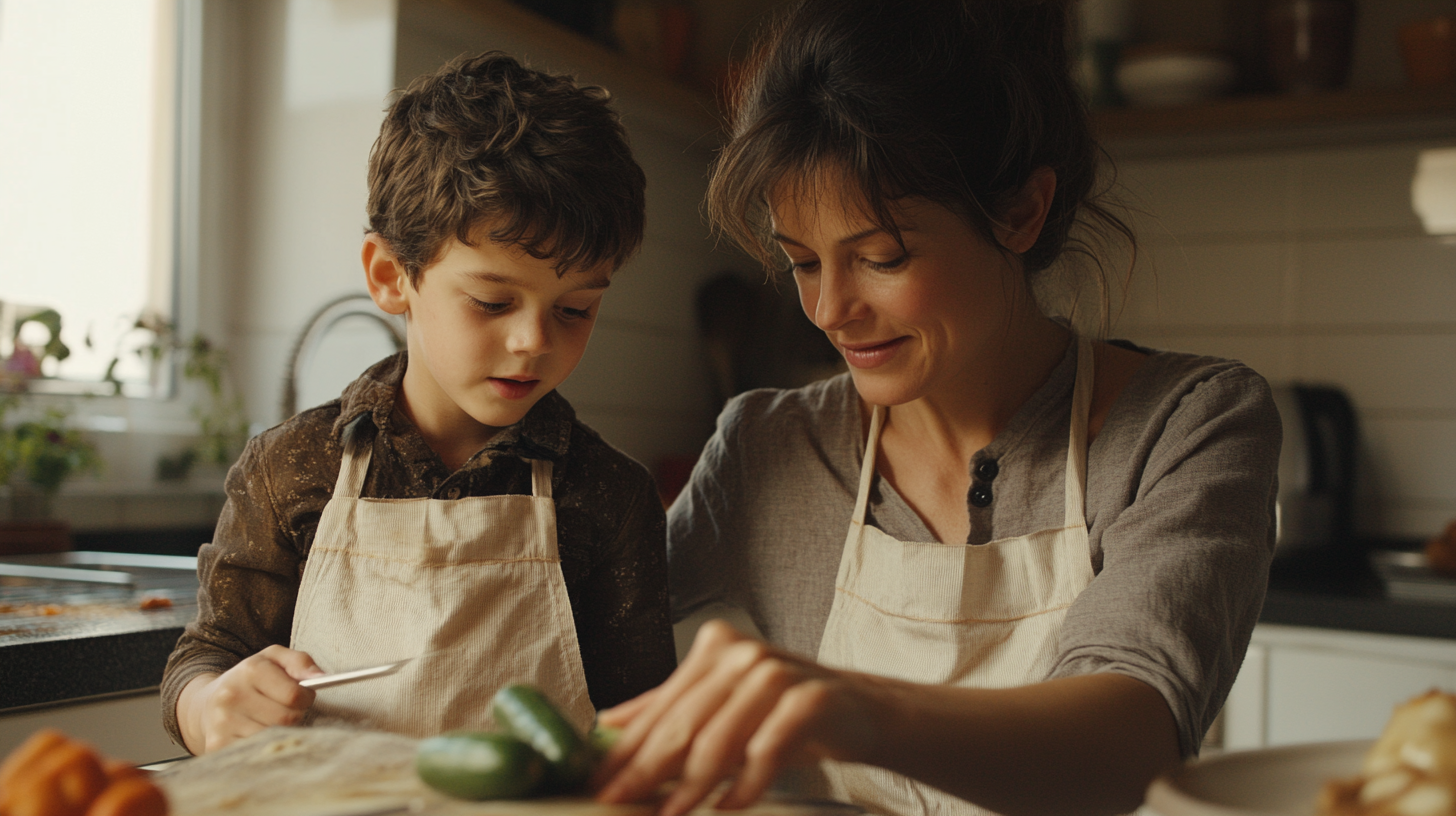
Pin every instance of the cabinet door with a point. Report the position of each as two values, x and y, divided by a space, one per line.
128 728
1319 694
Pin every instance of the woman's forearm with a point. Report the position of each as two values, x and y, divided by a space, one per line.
1088 744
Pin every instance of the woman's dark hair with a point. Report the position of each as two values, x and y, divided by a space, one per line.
954 101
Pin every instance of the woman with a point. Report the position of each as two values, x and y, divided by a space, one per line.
1056 548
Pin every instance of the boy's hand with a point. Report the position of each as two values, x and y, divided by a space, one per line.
262 691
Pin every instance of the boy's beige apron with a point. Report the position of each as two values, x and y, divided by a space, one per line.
985 616
471 588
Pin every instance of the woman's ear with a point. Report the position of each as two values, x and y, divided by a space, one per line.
388 282
1022 221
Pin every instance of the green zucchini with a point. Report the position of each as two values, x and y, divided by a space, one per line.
480 765
524 712
602 738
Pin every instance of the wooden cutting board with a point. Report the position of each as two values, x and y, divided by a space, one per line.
325 771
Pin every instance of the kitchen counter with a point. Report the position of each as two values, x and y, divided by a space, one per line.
105 645
65 640
1343 591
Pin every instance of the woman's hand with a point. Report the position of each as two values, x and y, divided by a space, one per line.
736 707
261 691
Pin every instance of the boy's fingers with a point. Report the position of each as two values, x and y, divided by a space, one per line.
275 684
298 665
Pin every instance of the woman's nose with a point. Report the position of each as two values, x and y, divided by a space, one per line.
829 298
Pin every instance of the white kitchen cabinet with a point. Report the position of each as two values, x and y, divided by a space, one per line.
127 726
1313 685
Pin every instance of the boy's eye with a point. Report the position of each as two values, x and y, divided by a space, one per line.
489 308
576 314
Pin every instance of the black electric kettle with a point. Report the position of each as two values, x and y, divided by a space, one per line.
1316 470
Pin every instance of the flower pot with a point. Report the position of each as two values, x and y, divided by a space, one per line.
34 536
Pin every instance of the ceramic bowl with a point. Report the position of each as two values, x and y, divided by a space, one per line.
1174 78
1284 781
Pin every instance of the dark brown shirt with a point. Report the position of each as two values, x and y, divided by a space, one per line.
609 530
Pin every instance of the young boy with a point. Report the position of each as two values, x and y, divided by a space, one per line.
448 509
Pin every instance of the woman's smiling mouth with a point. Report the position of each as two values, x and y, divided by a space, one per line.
871 355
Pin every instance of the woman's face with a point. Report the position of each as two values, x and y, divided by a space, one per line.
910 321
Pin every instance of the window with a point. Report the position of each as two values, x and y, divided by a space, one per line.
88 201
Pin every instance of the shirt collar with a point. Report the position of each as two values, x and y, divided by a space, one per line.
543 433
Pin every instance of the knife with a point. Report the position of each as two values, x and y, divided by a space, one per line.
339 678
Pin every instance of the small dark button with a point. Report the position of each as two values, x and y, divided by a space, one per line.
987 470
981 495
453 492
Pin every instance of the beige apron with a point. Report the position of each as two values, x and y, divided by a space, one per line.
983 616
471 588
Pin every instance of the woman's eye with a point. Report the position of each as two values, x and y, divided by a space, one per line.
886 265
489 308
803 267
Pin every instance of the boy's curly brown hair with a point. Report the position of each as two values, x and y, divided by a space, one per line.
488 149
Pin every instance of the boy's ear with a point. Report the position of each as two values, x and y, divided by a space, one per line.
1023 220
385 275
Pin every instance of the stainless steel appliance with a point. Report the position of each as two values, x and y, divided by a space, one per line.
1316 469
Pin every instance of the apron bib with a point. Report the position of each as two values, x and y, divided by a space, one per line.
470 588
984 616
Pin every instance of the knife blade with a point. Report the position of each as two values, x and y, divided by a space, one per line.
339 678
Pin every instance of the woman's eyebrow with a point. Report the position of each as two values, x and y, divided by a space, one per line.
848 239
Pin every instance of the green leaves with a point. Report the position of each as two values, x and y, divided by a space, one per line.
44 451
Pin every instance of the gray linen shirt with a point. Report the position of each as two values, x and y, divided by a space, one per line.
1180 514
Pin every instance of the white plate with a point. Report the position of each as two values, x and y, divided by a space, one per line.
1283 781
1407 577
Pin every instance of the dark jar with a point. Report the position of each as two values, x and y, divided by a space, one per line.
1310 42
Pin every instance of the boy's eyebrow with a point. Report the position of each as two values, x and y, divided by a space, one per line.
598 282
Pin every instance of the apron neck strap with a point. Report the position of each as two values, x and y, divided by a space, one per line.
1076 480
541 478
353 468
867 469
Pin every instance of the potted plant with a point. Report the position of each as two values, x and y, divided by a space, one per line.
37 456
222 422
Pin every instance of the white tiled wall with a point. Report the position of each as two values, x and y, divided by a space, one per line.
1310 266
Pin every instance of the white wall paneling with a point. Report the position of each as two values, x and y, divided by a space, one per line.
1309 265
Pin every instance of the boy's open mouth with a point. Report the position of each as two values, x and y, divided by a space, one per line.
512 389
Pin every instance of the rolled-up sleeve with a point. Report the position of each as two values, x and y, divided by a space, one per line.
1184 566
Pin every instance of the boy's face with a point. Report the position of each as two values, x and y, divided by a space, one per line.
491 331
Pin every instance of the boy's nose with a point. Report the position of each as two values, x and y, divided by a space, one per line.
529 335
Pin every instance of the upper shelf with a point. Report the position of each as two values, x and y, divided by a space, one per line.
649 95
1271 122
